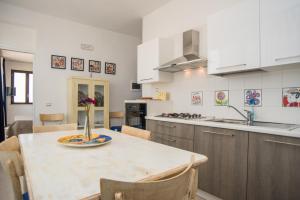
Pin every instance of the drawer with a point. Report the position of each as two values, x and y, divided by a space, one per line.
218 131
180 143
184 131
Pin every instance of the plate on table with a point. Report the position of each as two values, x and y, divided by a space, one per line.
79 140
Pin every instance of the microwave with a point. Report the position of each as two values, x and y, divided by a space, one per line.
135 87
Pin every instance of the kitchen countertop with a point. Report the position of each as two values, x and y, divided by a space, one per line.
257 129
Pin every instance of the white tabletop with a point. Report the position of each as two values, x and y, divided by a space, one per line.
58 172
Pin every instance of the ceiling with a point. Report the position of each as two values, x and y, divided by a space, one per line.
124 16
16 56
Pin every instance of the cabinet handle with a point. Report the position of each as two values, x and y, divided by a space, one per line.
212 132
146 79
286 58
166 126
286 143
167 139
240 65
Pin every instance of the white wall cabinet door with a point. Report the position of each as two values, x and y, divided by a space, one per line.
152 54
233 38
280 32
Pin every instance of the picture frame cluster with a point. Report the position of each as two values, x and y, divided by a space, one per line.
77 64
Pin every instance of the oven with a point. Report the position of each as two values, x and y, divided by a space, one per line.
135 115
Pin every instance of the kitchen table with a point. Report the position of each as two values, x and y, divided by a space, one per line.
54 171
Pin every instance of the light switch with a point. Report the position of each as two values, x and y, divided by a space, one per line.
48 104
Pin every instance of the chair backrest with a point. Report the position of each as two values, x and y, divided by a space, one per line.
52 117
10 144
52 128
11 172
136 132
116 115
179 187
10 150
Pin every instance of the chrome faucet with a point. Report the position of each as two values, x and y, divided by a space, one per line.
250 115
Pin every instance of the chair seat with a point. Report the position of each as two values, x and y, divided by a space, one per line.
25 196
116 128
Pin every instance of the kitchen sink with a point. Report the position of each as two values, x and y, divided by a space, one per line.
276 125
257 123
230 121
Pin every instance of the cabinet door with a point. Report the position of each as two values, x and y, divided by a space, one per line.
225 173
280 32
152 54
233 38
100 110
274 163
147 60
81 90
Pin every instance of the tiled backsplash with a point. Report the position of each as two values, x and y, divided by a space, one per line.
271 84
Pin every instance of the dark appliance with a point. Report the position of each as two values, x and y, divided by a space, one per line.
135 115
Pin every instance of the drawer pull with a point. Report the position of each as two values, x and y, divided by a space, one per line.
213 132
286 143
240 65
170 140
166 139
166 126
146 79
286 58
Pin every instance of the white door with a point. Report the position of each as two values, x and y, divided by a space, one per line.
233 38
280 32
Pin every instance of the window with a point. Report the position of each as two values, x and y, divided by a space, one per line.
22 82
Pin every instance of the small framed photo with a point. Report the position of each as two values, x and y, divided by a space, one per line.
253 97
291 97
58 62
95 66
77 64
197 98
222 98
110 68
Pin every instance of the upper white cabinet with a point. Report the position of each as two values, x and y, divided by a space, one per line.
233 38
152 54
280 32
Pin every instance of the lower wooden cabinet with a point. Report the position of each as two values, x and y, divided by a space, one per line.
241 165
172 134
273 167
225 173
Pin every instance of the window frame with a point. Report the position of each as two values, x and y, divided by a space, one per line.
27 73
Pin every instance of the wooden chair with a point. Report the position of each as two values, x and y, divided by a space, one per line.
178 187
10 144
12 164
10 150
117 116
144 134
52 118
52 128
11 172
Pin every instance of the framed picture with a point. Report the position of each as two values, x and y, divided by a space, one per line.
253 97
222 98
58 62
77 64
110 68
95 66
197 98
291 97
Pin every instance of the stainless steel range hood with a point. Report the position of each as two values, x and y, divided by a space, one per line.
190 58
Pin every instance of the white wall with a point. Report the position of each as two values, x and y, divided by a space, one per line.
62 37
170 21
14 110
